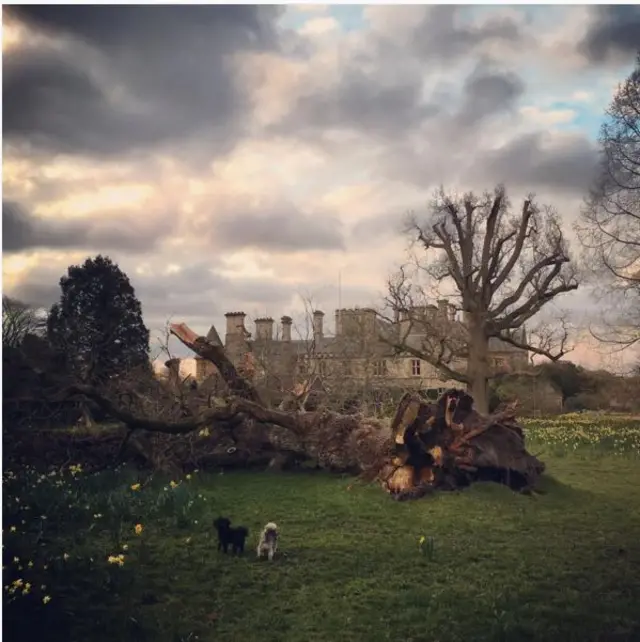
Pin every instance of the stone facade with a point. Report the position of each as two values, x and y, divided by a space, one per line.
353 356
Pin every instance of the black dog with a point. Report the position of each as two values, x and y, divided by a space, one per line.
228 536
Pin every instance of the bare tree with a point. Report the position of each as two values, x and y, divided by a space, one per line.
18 320
502 269
609 228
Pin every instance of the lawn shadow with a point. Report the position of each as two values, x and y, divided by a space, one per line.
551 485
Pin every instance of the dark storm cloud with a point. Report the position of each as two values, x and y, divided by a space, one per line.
443 35
152 74
22 231
283 229
487 92
380 90
614 32
526 162
364 102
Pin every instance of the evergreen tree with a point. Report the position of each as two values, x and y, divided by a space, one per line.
98 323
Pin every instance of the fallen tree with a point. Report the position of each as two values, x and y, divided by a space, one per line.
442 445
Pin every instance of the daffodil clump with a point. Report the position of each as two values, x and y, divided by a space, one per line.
61 526
615 434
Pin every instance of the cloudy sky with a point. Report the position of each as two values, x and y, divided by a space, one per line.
238 157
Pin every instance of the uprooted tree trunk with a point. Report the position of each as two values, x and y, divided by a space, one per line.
428 446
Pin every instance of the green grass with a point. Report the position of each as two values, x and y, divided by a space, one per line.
563 565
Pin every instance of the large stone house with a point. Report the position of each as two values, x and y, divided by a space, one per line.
353 358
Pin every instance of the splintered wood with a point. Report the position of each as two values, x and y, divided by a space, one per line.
449 445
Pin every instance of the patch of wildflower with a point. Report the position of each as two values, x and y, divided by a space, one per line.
41 505
615 434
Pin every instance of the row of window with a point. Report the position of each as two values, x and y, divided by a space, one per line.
380 367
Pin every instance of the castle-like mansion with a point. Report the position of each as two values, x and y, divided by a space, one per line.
355 356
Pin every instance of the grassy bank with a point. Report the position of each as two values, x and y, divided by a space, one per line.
563 565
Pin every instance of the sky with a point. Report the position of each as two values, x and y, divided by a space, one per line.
248 157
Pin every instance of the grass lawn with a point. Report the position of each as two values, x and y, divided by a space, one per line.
563 565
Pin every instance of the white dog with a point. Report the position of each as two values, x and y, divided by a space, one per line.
268 540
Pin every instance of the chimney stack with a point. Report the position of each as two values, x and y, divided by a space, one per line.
339 328
286 328
264 329
317 325
235 323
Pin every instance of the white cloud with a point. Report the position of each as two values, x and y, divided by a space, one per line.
547 117
319 27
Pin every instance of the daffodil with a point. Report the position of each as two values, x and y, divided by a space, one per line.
188 476
116 559
13 529
172 484
46 599
138 529
422 540
135 486
65 557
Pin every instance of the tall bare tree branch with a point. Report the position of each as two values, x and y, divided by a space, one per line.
501 270
609 226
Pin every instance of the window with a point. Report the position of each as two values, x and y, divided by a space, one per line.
499 362
380 368
322 368
303 366
415 367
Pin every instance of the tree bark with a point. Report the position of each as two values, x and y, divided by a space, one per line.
478 366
